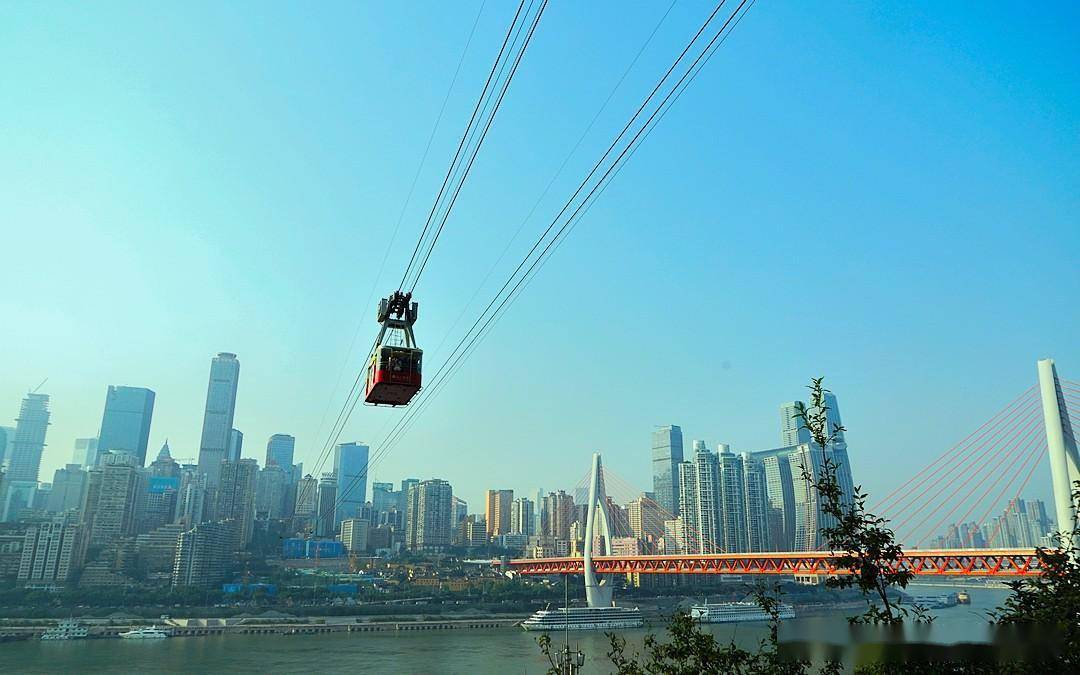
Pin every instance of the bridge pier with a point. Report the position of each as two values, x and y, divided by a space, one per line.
1064 460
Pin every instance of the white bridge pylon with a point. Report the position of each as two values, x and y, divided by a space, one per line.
1061 442
597 587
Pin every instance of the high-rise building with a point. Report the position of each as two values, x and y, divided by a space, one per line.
646 521
192 507
791 429
350 467
306 499
16 498
807 463
688 506
7 441
204 554
236 498
558 514
218 416
236 446
756 504
428 514
113 489
271 493
383 497
24 461
459 508
706 502
52 551
279 450
354 534
125 424
86 452
521 517
497 511
732 505
667 452
326 522
68 487
780 497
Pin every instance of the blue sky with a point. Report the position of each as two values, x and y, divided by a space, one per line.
884 195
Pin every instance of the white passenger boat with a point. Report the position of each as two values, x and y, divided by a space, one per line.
584 618
68 629
731 612
151 633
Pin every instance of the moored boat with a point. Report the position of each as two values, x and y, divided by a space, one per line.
732 612
68 629
151 633
584 618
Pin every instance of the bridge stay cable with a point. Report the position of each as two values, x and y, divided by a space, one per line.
977 449
1018 448
941 486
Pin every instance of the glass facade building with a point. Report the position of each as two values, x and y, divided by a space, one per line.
280 449
350 467
218 416
125 424
667 453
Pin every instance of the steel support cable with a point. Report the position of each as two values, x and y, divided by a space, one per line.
983 462
1038 455
458 169
558 172
393 237
987 447
1033 442
464 136
401 214
957 458
1034 450
476 148
482 101
886 501
469 337
1015 446
961 462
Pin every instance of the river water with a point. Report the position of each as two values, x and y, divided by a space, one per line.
495 651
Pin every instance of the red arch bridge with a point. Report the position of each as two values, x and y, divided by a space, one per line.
951 562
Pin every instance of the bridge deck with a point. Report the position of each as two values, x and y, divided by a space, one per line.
1009 562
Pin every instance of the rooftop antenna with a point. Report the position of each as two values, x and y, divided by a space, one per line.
35 389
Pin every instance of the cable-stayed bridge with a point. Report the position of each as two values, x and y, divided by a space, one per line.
957 494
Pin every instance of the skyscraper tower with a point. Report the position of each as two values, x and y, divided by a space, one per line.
218 418
125 424
279 450
791 431
30 428
732 505
236 497
350 467
667 452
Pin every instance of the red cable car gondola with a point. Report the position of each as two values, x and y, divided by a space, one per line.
393 376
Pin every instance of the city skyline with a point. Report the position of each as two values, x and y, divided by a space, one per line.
786 433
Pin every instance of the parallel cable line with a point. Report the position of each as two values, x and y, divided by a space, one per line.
887 501
963 460
472 334
987 448
1028 436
